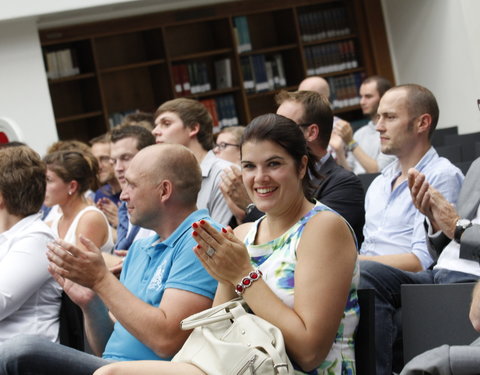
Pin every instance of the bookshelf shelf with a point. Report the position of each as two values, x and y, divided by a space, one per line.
233 57
269 50
329 40
81 116
133 66
214 93
200 55
57 81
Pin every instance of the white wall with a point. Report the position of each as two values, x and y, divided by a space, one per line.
435 43
24 95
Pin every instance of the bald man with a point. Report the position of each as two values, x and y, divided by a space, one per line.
317 84
162 281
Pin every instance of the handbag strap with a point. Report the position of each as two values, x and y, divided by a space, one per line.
213 315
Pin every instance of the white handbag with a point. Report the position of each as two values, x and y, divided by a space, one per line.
227 340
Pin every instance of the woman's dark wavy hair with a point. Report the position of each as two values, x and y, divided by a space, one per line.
287 134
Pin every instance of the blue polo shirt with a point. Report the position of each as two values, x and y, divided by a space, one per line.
152 266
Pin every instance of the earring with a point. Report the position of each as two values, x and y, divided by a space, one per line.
69 193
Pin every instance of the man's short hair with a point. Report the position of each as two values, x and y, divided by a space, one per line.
22 180
180 166
317 110
383 84
143 119
104 138
421 100
191 112
143 136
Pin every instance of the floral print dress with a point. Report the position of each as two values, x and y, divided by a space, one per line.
277 259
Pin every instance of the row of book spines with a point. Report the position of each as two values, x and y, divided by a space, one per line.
223 111
332 57
262 73
321 24
116 118
344 90
193 77
242 34
61 63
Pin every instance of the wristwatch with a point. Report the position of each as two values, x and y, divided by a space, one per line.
460 227
249 208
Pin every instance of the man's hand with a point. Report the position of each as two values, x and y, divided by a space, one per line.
431 203
110 210
344 130
232 186
336 142
85 267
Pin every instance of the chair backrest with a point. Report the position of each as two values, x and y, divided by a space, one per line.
464 166
71 324
365 337
467 143
451 152
439 134
435 314
366 179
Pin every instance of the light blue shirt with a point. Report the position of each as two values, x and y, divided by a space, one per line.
392 223
151 267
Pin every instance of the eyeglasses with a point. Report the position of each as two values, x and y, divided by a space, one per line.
223 145
305 125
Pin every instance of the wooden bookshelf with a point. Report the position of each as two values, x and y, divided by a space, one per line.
139 62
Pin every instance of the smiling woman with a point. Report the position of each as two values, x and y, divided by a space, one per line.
302 254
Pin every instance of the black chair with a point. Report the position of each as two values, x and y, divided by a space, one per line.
451 152
439 134
365 336
435 314
477 149
71 331
466 142
464 165
366 179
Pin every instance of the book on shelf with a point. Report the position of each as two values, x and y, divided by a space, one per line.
186 88
223 73
61 63
263 73
223 111
344 90
331 57
247 74
177 79
242 34
322 24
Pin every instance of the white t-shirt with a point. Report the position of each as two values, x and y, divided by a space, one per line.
29 296
369 140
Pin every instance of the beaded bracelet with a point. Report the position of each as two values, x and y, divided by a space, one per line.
247 281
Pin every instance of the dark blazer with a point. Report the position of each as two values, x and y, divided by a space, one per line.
342 191
467 206
339 189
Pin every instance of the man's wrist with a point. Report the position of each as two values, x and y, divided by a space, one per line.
352 145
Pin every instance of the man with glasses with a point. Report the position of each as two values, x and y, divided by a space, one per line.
108 195
395 240
338 188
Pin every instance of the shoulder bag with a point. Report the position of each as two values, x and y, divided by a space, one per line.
227 340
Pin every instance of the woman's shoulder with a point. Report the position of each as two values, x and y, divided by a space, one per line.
242 230
92 215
